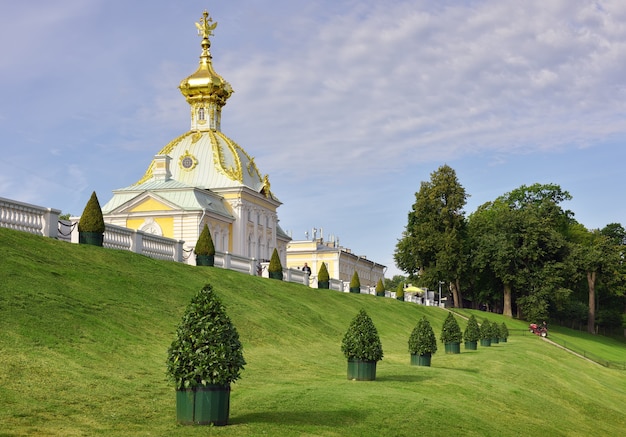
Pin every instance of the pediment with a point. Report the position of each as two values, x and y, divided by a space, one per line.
146 202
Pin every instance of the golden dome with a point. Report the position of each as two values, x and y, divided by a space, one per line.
205 85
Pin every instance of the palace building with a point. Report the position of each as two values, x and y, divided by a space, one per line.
204 177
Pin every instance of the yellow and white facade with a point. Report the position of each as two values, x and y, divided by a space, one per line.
340 262
203 176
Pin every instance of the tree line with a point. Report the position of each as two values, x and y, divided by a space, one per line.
521 254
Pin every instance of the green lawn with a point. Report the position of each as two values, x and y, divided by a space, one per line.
84 333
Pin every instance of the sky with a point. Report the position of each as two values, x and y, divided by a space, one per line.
348 105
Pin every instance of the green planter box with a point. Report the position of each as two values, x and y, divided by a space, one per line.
503 340
485 342
421 360
276 275
205 260
203 405
401 298
453 348
380 294
361 370
91 238
323 284
495 340
355 289
471 345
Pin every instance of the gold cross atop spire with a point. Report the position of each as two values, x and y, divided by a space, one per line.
205 28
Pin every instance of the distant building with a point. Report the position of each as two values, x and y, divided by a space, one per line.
340 261
204 177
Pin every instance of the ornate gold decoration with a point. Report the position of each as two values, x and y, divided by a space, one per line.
164 151
233 172
187 161
196 137
205 28
266 186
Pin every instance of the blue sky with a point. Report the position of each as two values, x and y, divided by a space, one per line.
347 104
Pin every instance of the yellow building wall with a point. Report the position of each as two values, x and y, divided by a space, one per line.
166 224
151 205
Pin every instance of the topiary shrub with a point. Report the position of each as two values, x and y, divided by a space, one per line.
494 329
400 291
207 349
380 288
204 249
485 333
472 330
275 269
355 283
422 340
323 278
504 332
361 341
91 223
203 360
451 332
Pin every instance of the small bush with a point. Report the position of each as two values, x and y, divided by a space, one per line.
91 220
472 330
400 291
275 264
451 332
504 331
485 329
422 340
361 341
380 288
207 349
323 275
204 245
355 281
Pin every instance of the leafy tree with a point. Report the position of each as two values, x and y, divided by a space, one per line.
520 239
380 288
485 329
504 331
432 242
392 284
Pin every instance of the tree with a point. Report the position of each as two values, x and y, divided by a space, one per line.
520 239
432 244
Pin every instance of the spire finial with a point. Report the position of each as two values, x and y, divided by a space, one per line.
206 25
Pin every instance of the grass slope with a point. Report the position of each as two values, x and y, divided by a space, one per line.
84 333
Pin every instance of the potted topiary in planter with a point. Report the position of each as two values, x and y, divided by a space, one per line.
422 343
355 283
400 292
205 250
485 333
504 333
323 279
471 335
380 288
275 269
203 360
495 333
361 346
451 335
91 223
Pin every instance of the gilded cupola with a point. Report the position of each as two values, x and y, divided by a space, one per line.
205 90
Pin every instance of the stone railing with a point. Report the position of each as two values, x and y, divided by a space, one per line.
45 221
29 218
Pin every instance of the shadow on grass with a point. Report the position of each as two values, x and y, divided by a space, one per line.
313 417
402 378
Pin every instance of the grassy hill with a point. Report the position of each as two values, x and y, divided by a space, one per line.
84 333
